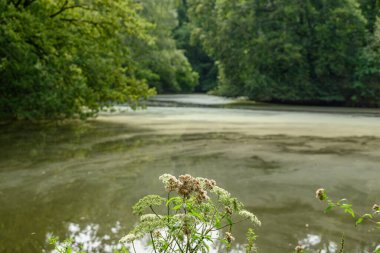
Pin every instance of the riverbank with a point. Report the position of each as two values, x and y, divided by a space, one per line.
179 120
210 101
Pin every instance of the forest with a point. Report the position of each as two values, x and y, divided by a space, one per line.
72 58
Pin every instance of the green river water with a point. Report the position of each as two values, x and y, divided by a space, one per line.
80 179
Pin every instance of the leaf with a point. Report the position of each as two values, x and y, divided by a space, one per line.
367 216
208 238
197 215
224 241
359 221
173 199
346 205
329 208
217 223
340 201
229 221
177 207
350 211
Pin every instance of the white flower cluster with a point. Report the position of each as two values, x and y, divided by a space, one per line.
149 217
128 238
184 218
165 178
220 192
179 216
250 216
171 182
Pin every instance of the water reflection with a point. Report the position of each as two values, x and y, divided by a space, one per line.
89 239
314 243
93 241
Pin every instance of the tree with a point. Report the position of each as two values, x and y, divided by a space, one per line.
199 60
164 65
366 89
68 58
370 10
288 51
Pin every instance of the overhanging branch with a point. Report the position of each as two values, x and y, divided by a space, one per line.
65 7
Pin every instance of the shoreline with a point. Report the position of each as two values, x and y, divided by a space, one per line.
201 101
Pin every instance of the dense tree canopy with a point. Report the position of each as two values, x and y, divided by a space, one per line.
200 61
168 67
64 58
284 50
370 9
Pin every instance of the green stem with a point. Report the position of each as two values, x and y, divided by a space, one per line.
168 207
133 246
154 246
151 208
170 246
229 225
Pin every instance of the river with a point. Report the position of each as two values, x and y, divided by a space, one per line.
80 179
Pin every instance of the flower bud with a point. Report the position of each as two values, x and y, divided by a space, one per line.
299 249
229 237
321 194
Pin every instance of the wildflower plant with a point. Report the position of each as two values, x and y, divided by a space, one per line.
195 215
343 204
372 217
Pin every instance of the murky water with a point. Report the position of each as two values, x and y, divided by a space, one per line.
81 179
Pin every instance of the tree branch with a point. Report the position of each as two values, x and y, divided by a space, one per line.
26 3
63 8
73 20
19 2
39 50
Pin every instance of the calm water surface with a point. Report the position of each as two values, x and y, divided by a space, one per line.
81 179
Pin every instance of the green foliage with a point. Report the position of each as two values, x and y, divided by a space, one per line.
251 239
367 85
164 66
347 208
69 246
147 201
370 10
68 58
199 60
191 220
289 50
342 204
65 247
